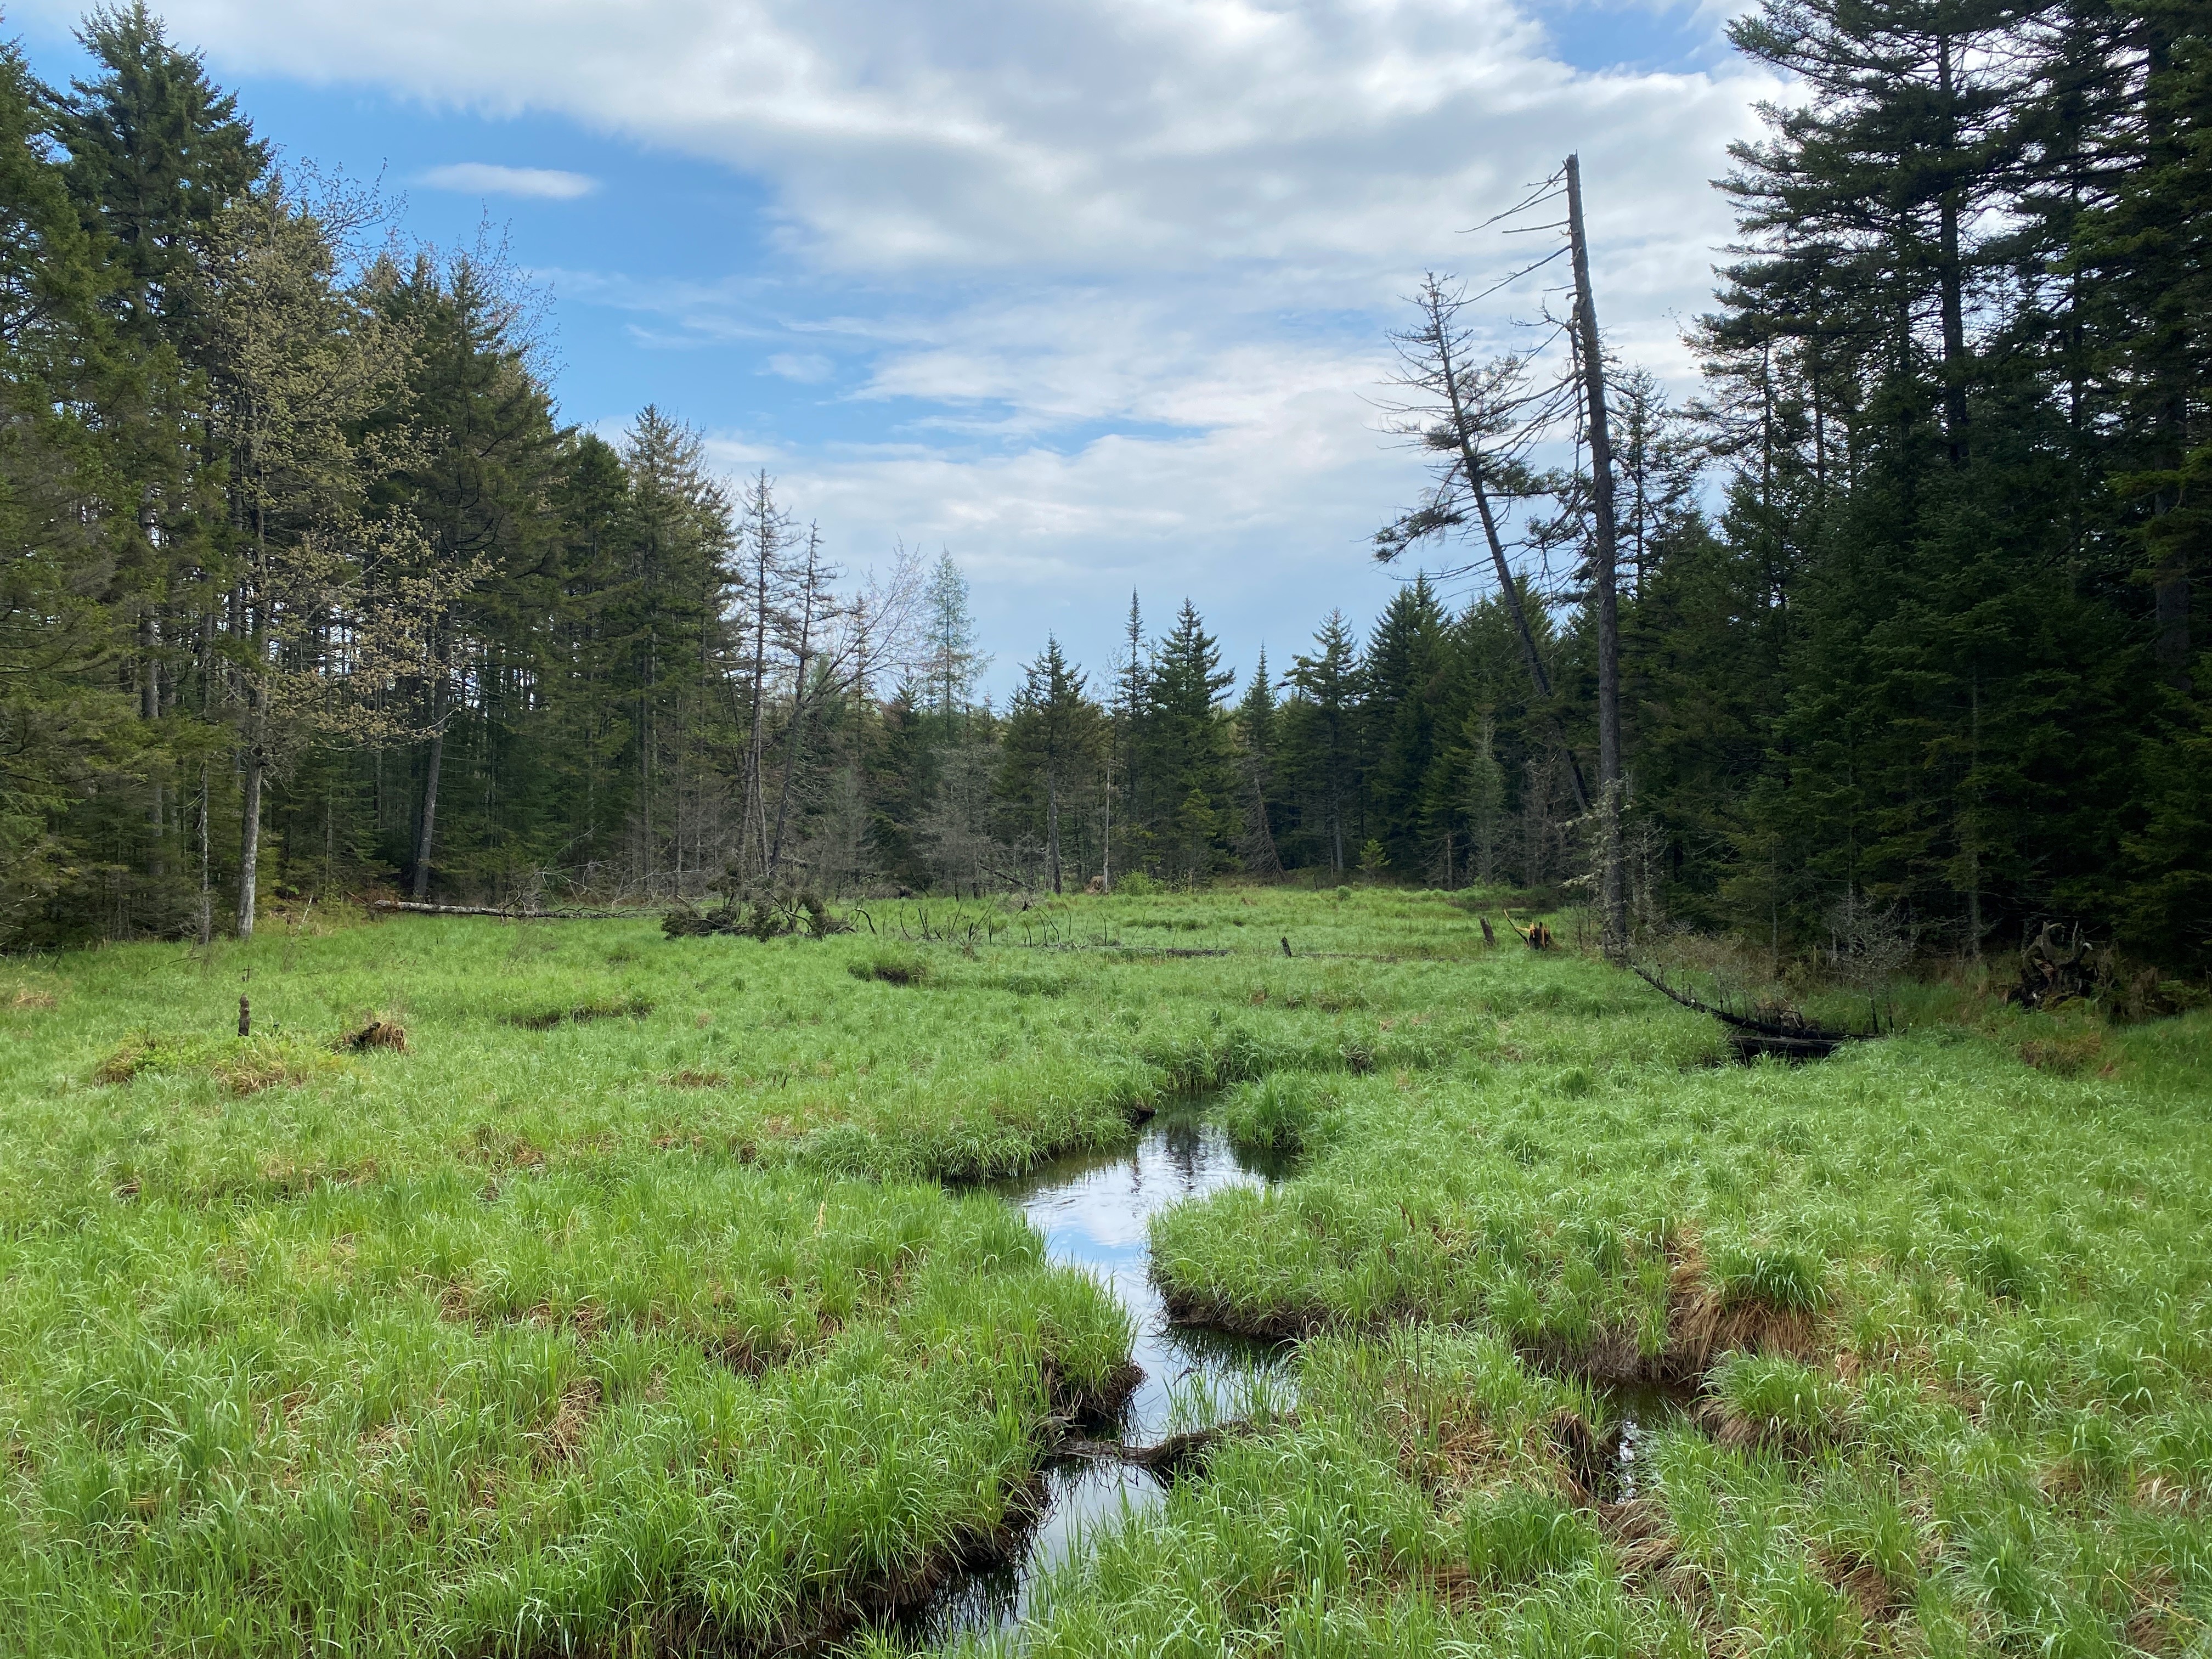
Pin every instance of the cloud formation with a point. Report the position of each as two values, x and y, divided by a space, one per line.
1031 135
1101 288
489 179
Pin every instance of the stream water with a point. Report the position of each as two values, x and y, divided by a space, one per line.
1094 1212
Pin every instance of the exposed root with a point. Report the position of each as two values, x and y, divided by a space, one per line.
379 1033
1090 1405
1171 1459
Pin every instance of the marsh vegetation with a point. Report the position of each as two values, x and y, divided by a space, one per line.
649 1295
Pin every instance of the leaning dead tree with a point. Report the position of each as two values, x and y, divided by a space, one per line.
1775 1028
1478 421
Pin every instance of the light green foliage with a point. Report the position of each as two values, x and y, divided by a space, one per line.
1774 1399
659 1321
1772 1276
1283 1112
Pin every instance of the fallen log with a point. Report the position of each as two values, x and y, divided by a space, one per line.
503 913
1790 1036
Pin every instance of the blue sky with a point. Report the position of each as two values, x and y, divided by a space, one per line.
1092 297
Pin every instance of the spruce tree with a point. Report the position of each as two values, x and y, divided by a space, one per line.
1321 746
1186 747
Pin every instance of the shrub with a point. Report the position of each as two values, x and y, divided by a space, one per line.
1137 885
819 921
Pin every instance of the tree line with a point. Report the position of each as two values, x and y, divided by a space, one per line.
308 588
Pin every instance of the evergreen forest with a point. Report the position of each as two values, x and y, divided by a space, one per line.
307 589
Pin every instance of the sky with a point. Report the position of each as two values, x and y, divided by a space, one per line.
1094 297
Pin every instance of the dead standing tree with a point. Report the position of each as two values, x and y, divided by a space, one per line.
1478 419
838 644
1591 356
1481 420
767 579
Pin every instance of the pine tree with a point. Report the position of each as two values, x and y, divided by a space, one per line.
1403 679
954 663
156 153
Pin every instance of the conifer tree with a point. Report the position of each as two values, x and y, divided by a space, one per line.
1054 738
1320 740
1186 744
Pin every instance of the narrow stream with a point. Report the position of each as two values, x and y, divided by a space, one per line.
1094 1212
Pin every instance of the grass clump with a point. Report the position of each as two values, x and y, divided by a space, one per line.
1769 1399
890 966
1781 1277
1287 1112
1516 1535
243 1065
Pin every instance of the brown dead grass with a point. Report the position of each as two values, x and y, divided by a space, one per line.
562 1436
2065 1056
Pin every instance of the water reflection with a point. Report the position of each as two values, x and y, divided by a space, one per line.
1095 1212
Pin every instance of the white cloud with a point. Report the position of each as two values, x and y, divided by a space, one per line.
1260 514
1031 134
806 368
489 179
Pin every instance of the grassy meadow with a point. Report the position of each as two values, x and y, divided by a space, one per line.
645 1299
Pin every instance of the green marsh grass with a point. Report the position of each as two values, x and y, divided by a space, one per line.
672 1321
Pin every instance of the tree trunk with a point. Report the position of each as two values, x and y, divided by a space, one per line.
1052 824
249 842
1609 612
793 750
427 835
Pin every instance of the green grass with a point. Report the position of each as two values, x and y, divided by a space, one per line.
641 1304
